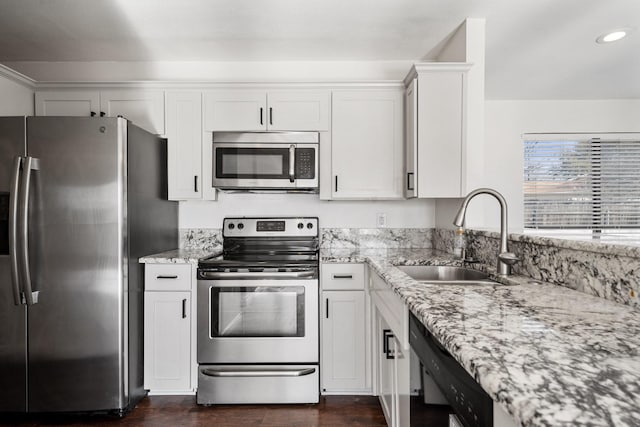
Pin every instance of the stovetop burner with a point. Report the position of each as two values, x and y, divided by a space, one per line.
267 244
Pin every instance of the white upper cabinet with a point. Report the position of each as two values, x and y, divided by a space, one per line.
258 110
235 110
298 110
367 153
436 130
411 139
186 161
145 108
76 103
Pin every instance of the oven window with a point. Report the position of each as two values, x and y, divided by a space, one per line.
257 311
252 163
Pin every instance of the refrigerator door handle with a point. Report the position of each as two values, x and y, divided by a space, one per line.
13 229
30 163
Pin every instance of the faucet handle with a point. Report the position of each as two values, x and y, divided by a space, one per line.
508 258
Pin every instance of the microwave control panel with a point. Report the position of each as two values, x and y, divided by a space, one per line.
305 163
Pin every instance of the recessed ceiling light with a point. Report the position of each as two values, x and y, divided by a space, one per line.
614 35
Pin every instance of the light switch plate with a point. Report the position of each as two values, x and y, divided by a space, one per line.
381 220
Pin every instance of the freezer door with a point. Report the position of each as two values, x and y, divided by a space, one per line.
77 261
13 372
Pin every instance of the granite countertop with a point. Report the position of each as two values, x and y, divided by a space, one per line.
551 356
180 256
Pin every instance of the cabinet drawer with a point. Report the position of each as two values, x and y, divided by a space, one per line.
167 277
337 277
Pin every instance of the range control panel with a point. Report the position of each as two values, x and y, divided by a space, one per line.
265 227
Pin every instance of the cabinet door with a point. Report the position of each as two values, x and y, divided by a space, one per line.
343 342
167 341
386 369
145 108
411 134
440 134
76 103
367 154
235 110
402 392
298 110
184 139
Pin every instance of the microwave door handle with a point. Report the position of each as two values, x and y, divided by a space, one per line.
292 163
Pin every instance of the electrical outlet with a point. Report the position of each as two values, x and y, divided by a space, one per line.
381 220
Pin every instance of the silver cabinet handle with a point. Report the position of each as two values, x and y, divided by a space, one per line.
184 308
30 163
166 277
292 163
13 229
259 372
343 276
261 121
271 115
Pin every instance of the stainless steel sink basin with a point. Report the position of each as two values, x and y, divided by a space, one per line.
442 274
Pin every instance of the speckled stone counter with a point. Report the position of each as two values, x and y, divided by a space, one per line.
180 256
551 356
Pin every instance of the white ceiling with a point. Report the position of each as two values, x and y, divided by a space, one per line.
542 49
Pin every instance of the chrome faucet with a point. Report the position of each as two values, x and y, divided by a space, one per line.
505 258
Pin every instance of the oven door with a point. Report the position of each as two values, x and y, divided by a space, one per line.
265 166
258 321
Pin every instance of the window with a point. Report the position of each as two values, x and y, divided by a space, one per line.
582 185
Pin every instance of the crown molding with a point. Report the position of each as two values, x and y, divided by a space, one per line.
16 77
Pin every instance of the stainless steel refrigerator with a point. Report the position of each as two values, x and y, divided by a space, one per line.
80 200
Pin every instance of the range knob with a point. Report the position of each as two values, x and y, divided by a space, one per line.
240 226
300 225
231 226
309 225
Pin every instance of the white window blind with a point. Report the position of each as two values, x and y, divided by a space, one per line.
582 182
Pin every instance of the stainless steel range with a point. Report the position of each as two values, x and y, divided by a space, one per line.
258 314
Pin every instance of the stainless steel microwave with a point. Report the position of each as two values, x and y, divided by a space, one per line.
266 161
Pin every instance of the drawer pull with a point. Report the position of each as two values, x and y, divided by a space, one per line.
184 308
343 276
166 277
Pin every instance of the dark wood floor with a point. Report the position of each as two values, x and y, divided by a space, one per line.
164 411
183 411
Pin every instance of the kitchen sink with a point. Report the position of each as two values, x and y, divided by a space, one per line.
445 274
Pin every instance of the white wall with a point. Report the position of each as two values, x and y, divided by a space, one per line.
506 121
16 96
333 214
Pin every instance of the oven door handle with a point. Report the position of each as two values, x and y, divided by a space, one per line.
248 276
259 372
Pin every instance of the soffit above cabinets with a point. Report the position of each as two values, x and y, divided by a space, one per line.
544 49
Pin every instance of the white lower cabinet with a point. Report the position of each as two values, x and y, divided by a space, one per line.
169 329
344 359
391 352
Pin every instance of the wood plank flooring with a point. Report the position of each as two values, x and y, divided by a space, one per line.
182 411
